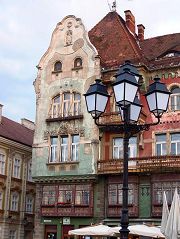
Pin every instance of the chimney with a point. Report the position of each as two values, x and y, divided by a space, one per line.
28 124
130 21
140 32
1 106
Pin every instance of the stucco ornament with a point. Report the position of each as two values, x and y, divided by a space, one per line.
68 38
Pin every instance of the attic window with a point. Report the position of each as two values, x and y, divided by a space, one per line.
78 62
58 66
172 54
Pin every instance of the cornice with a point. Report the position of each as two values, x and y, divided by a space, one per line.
65 178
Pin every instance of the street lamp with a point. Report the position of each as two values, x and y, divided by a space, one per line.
125 90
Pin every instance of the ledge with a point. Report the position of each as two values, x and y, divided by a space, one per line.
60 163
77 68
70 117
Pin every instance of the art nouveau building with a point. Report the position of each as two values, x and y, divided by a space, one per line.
76 167
17 191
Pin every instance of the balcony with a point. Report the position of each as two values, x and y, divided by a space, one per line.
67 210
167 163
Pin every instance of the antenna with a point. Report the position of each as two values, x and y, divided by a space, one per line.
114 6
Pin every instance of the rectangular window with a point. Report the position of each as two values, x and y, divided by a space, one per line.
132 147
53 149
161 145
75 148
12 234
65 195
117 148
49 195
17 167
76 107
66 104
168 188
82 195
64 148
115 194
14 202
175 144
29 171
2 164
29 204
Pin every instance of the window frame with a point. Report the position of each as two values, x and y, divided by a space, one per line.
12 234
68 104
17 160
174 97
15 201
29 204
2 162
65 150
57 69
161 144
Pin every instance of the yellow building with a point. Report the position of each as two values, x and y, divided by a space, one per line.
17 191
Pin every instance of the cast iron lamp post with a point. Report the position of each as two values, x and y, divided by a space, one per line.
125 89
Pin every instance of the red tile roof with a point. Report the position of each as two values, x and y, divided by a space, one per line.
115 44
159 46
12 130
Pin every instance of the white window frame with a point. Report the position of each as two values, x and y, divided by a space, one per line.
74 148
132 147
14 201
117 148
17 167
53 157
2 163
161 144
176 142
29 204
62 107
64 148
174 97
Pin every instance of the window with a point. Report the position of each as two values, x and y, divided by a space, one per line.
168 187
118 147
12 234
58 66
56 106
64 148
175 98
67 195
82 195
16 167
175 143
1 199
161 144
2 163
49 195
132 147
14 201
29 171
66 104
115 194
77 62
53 149
29 204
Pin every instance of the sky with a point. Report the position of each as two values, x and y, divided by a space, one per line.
26 27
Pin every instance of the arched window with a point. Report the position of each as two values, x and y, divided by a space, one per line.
58 66
77 62
175 98
66 104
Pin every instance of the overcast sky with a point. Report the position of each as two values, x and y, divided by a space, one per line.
25 31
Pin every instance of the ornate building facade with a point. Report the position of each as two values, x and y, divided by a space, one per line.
76 167
17 190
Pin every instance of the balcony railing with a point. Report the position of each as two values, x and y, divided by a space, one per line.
167 163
